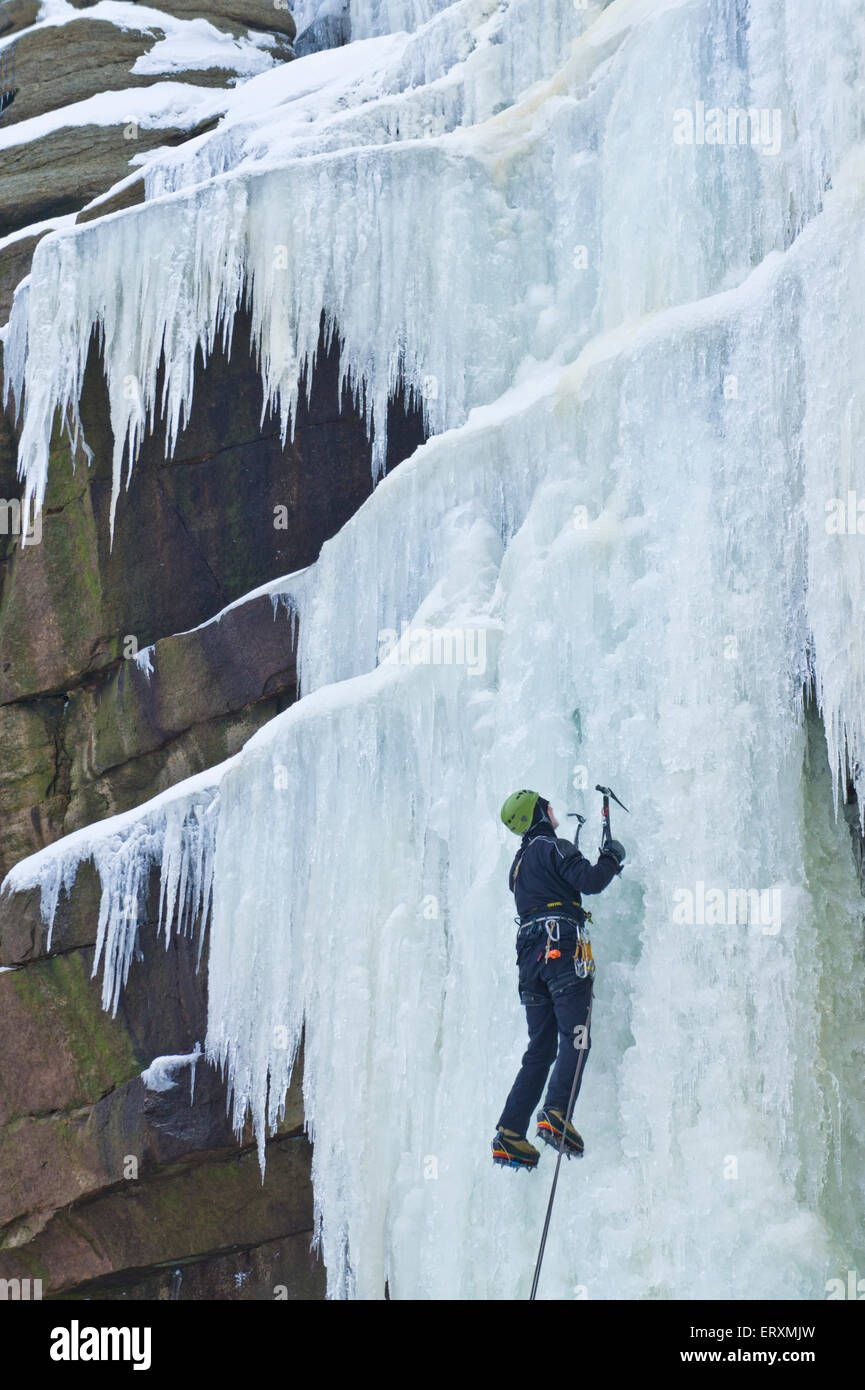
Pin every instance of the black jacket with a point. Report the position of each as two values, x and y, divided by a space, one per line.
552 873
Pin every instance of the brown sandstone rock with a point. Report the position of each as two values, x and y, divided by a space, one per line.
50 1161
60 1050
23 933
17 14
129 196
197 676
269 16
174 1217
192 535
58 65
66 169
282 1269
14 265
34 781
104 1179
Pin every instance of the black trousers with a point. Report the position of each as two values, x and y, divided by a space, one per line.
557 1011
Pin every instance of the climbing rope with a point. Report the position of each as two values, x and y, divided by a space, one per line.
576 1082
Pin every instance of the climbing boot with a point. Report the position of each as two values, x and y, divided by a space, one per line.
513 1150
551 1125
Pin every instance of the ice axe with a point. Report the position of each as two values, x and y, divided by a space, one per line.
607 792
581 820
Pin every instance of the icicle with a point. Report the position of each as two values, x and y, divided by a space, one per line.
161 1075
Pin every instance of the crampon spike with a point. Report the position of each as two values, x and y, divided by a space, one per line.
504 1160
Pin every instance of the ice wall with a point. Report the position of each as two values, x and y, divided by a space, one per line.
639 358
364 19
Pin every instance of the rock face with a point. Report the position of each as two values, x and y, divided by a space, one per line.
14 265
55 66
17 14
269 16
109 1189
103 1181
86 731
57 175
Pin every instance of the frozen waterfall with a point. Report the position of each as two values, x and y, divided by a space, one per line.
619 254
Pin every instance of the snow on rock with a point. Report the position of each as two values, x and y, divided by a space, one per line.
144 660
183 43
162 1074
163 104
190 45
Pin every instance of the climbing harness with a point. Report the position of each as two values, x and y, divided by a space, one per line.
584 961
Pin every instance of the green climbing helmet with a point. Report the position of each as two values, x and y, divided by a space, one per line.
519 810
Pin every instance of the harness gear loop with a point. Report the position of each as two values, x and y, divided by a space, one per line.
584 961
549 925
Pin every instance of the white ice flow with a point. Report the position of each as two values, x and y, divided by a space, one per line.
629 546
162 1074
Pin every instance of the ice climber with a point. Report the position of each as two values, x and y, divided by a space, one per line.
556 973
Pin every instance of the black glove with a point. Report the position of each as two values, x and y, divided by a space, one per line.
616 851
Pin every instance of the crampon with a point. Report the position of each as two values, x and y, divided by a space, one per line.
550 1126
512 1151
